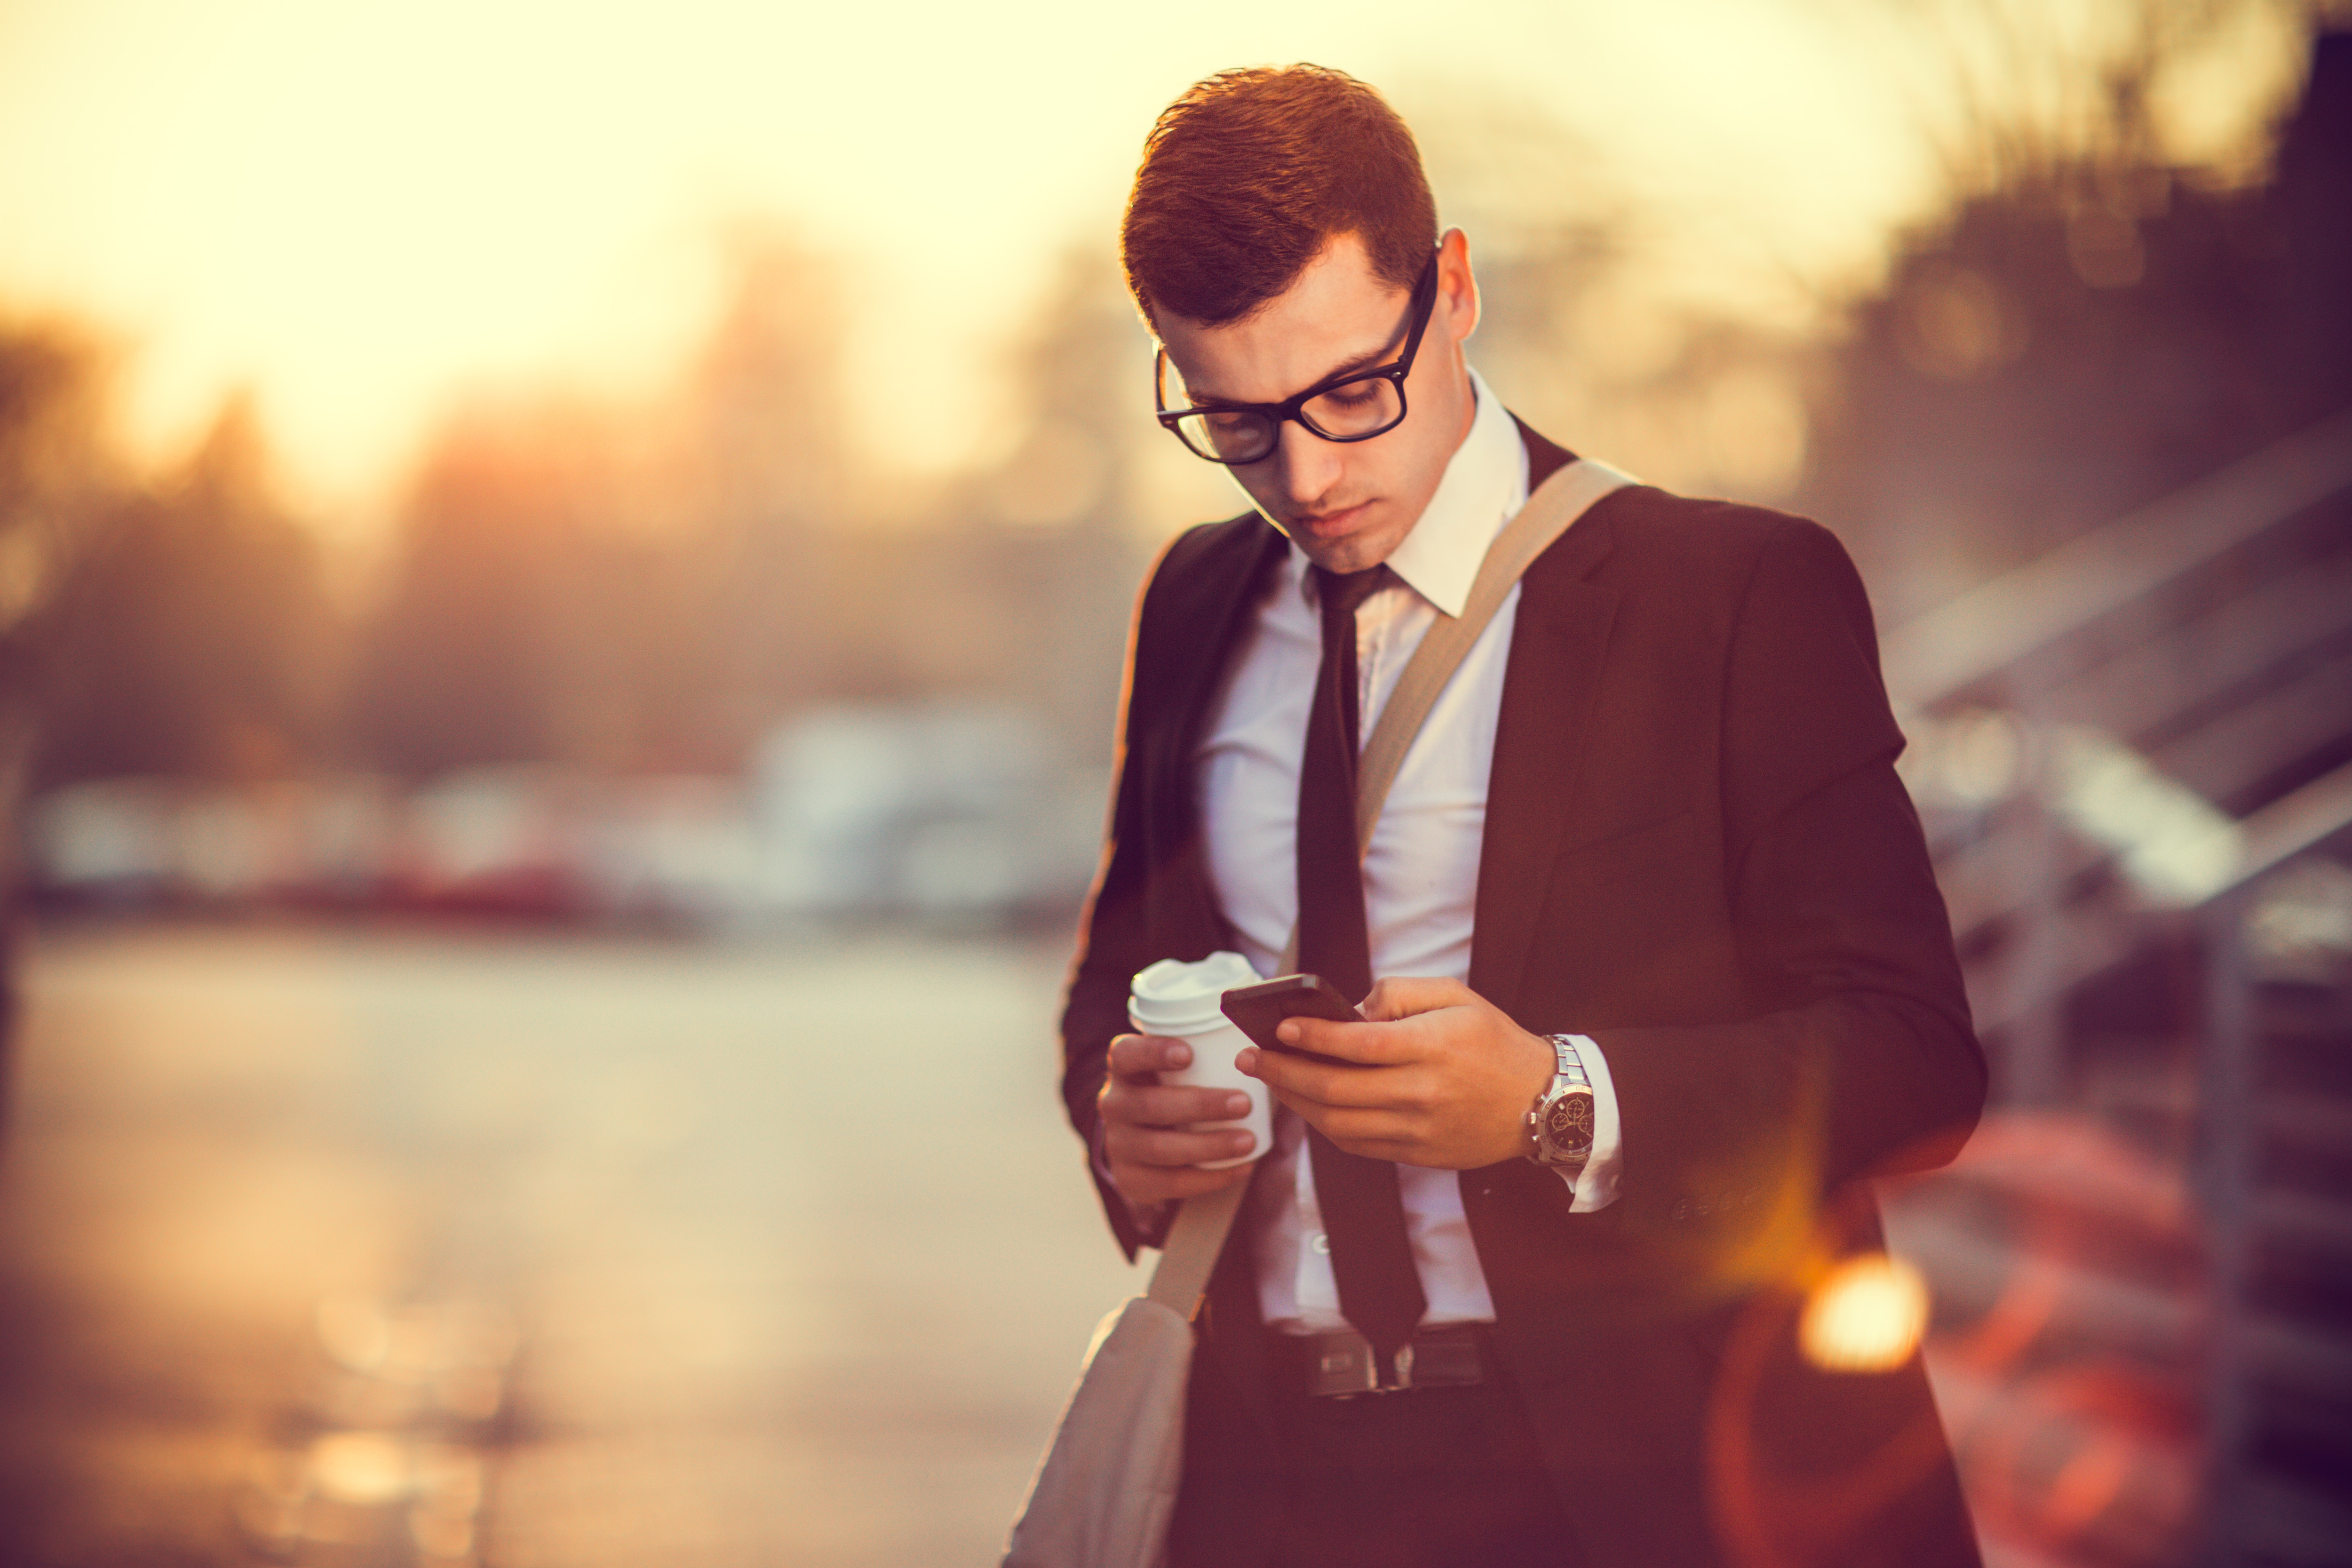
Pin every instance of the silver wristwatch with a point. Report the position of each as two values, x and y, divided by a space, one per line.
1559 1126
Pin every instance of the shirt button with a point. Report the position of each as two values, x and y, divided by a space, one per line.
1322 1244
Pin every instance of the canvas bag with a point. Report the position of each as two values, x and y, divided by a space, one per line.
1105 1491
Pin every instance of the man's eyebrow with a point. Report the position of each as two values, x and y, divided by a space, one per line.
1379 356
1386 353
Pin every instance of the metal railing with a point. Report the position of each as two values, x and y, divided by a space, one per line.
2116 699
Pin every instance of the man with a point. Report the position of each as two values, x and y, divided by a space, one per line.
1648 848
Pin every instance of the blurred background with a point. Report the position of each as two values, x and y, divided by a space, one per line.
561 577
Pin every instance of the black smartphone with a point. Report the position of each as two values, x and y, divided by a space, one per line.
1257 1009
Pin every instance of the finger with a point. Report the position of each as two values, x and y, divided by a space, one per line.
1296 1077
1139 1055
1380 1134
1169 1147
1369 1045
1172 1105
1353 1127
1401 995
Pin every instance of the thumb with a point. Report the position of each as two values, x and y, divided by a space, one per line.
1401 996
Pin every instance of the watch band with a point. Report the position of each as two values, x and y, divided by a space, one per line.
1559 1124
1570 1061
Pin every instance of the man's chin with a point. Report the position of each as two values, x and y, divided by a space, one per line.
1355 550
1346 557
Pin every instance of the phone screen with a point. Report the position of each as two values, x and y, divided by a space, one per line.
1255 1010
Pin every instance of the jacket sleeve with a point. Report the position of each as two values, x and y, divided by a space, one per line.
1863 1060
1112 932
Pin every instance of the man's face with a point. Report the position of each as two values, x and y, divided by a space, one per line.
1347 505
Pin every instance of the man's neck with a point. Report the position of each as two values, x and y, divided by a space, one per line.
1484 484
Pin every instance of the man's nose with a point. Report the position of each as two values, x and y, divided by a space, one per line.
1310 465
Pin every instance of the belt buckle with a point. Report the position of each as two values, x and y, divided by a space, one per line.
1343 1365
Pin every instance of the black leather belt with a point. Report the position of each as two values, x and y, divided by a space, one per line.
1339 1364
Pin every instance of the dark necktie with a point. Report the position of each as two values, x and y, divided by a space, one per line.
1363 1212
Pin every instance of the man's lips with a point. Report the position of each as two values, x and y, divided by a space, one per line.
1324 525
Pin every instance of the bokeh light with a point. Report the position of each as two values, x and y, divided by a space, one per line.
362 1466
1868 1315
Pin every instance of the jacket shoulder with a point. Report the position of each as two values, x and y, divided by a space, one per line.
1654 529
1200 567
1188 599
1211 551
1693 581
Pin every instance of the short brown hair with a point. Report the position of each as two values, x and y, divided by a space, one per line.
1250 174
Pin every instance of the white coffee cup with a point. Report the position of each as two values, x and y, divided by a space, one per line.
1176 1000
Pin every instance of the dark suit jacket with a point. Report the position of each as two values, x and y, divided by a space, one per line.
1698 852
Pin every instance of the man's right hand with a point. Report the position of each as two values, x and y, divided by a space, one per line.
1152 1158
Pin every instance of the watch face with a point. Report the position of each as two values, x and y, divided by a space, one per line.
1567 1123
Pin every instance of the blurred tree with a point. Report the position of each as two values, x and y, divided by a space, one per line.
55 475
1044 537
2029 88
2085 328
625 587
190 633
514 620
55 480
1595 325
1009 582
760 480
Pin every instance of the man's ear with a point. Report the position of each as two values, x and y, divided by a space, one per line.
1457 284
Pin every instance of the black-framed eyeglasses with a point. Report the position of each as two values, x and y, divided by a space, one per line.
1354 406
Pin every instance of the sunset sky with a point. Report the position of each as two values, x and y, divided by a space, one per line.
363 209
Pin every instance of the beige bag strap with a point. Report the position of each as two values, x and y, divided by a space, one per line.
1198 1233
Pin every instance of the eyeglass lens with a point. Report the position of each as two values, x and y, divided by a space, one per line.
1349 411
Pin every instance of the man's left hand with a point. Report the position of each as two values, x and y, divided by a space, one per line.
1441 1077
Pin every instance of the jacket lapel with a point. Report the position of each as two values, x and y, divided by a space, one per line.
1215 593
1206 620
1225 593
1550 680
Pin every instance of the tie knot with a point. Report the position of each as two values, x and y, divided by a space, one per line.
1343 592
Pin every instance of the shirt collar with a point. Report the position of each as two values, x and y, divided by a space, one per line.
1484 485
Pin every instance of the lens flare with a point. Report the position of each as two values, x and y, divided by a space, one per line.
1867 1316
365 1468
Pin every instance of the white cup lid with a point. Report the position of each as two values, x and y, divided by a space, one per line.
1179 996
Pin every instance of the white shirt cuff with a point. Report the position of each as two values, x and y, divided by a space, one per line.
1595 1186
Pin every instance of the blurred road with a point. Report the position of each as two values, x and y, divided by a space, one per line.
394 1247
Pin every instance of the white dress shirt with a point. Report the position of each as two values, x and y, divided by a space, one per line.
1421 876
